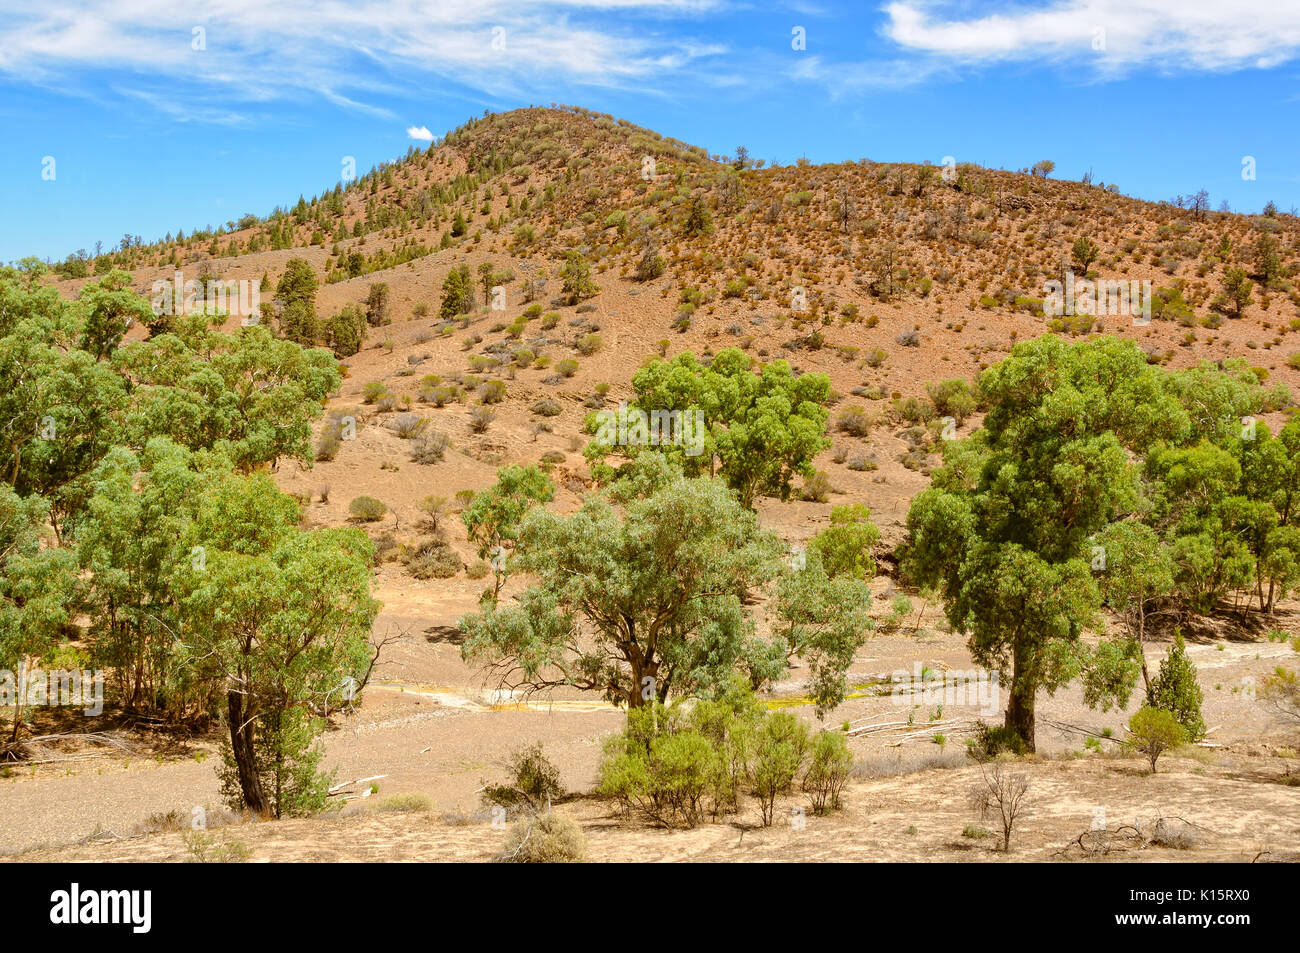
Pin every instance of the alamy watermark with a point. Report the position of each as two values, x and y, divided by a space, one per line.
176 295
956 688
37 688
1100 298
633 427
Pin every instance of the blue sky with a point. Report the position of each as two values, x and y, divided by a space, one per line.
168 114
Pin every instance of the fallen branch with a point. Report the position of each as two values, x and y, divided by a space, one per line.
348 784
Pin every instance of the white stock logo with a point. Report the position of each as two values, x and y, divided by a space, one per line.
1101 298
74 905
956 688
633 427
176 296
58 688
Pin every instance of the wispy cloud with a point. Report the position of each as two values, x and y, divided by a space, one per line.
349 53
1115 36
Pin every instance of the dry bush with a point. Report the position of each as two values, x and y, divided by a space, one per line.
545 839
430 446
1000 793
432 558
407 426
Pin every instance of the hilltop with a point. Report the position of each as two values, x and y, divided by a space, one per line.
884 275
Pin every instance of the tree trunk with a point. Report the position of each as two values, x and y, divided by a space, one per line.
241 745
1024 686
1142 649
643 667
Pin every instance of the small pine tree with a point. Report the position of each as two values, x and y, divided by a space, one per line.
457 293
299 324
576 276
1175 690
377 304
1084 252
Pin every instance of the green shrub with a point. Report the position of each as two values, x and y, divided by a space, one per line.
952 398
406 803
828 771
327 447
816 488
1154 731
205 848
440 395
432 559
660 767
480 418
407 425
993 740
492 392
780 749
845 546
914 411
366 509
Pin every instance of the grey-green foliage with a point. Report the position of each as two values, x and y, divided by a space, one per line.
38 585
639 604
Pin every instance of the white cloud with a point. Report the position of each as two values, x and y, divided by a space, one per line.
1113 35
345 51
421 133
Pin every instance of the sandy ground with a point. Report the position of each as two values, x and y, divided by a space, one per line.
1230 803
429 725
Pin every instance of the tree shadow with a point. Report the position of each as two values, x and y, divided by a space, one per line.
445 634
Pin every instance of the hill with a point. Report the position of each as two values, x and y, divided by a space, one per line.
591 246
